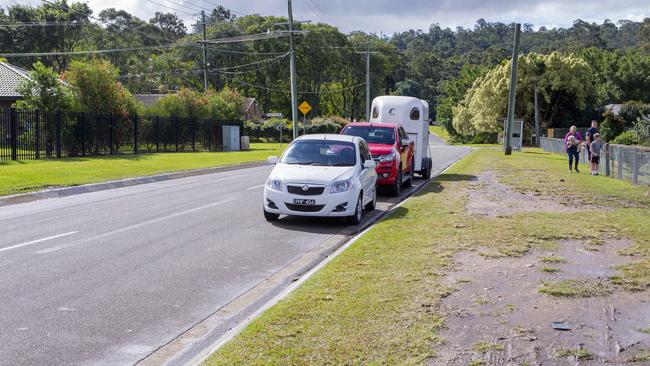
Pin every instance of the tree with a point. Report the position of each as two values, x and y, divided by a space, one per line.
44 90
96 89
63 38
169 25
564 82
453 91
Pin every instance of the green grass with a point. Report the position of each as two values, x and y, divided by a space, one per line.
553 259
485 347
645 330
379 302
579 353
33 175
440 132
576 288
551 269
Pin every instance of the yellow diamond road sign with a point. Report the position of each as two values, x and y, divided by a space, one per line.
304 107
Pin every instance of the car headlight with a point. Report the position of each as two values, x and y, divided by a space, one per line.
341 186
274 184
386 158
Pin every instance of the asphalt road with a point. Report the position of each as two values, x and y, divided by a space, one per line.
108 277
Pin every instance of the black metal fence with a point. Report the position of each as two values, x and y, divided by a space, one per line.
34 134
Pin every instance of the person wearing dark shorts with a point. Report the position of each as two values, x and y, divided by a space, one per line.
589 136
595 148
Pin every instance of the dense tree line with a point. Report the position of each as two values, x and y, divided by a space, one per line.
440 65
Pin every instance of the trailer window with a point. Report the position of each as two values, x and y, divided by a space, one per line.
415 114
375 112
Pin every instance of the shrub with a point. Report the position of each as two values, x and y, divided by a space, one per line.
337 120
633 110
627 138
642 129
611 126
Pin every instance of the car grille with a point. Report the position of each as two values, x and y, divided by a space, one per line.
311 191
299 208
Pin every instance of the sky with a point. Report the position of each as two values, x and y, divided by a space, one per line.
390 16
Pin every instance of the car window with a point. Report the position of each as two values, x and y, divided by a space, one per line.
372 134
320 152
415 114
365 152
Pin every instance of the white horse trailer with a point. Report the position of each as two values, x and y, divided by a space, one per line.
412 114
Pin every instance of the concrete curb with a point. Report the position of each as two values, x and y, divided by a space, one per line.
194 345
95 187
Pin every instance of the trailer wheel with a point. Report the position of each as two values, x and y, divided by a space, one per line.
426 172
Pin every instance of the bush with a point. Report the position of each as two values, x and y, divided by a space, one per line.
642 129
632 111
627 138
337 120
611 127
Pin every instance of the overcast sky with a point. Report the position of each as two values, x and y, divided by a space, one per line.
389 16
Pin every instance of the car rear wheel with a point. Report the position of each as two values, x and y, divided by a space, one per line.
396 188
269 216
358 212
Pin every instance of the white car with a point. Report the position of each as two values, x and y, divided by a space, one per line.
322 175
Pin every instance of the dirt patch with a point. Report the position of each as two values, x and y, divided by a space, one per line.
498 303
490 198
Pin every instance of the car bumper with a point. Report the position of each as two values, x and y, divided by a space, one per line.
386 173
327 205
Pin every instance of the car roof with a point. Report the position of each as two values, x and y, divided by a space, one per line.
329 137
376 124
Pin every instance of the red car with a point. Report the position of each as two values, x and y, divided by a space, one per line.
391 148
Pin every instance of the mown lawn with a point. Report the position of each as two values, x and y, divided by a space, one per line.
440 132
379 301
33 175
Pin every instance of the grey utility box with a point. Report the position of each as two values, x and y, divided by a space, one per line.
231 138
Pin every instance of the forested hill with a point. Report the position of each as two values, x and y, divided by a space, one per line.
438 64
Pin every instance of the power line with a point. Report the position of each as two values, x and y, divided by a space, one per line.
89 52
230 9
45 24
328 91
247 38
171 8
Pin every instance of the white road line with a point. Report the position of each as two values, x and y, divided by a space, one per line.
37 241
251 188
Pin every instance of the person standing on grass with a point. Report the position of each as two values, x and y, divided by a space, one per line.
595 148
572 142
589 136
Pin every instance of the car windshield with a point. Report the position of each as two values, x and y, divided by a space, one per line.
321 153
372 135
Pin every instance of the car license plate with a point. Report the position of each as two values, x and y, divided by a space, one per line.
303 202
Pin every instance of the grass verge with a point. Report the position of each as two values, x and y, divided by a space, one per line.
379 301
440 132
33 175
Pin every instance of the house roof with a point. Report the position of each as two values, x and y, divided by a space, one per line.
149 99
10 78
614 108
248 103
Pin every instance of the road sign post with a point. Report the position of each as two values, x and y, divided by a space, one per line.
304 107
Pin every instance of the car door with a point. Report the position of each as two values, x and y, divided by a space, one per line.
368 177
404 150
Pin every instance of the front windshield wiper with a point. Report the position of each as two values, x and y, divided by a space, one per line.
342 164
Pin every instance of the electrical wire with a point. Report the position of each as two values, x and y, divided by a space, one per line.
287 91
45 24
174 9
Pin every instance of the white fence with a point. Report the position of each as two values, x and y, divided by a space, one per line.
617 161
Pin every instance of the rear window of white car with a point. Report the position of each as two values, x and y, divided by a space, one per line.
320 153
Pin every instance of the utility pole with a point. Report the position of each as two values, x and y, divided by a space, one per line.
205 53
292 57
367 52
536 118
507 139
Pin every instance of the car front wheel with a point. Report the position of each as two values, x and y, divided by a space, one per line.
358 212
396 188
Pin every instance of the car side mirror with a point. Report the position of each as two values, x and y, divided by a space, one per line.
272 160
405 142
369 164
